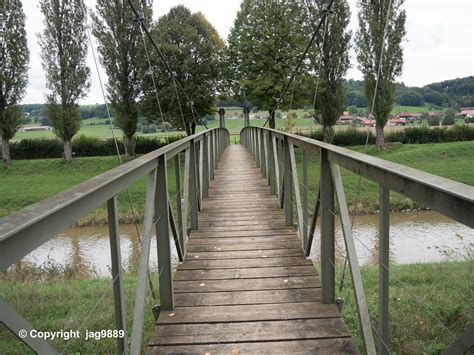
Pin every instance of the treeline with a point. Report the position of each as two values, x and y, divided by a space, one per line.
35 112
449 93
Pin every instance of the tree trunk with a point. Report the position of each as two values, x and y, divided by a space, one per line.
6 151
379 136
271 123
67 151
129 144
327 133
193 128
188 129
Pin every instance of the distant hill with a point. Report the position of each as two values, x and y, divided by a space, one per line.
448 93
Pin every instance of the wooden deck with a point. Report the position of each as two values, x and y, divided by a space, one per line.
245 286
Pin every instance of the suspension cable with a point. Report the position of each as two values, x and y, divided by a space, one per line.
85 13
163 59
300 62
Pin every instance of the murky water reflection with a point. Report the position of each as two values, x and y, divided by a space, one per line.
415 237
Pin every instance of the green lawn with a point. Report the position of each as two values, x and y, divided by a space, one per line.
429 304
34 180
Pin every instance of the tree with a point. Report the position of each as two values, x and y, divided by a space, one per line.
14 58
193 50
335 61
63 53
449 117
119 45
265 43
380 29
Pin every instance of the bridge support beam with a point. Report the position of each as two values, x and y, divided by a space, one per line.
384 253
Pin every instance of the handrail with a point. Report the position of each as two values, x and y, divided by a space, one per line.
24 231
272 148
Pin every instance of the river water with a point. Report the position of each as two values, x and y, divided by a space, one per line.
415 237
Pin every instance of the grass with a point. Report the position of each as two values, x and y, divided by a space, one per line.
35 180
63 305
429 304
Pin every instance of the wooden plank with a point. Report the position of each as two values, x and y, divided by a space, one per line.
276 283
248 297
293 244
313 346
262 233
250 331
217 242
260 312
245 254
192 264
244 273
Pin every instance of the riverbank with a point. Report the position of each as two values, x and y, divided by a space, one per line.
428 304
27 182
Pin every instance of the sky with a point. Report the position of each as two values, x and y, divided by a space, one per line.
439 44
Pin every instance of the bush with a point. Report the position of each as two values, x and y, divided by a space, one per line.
82 146
415 135
433 121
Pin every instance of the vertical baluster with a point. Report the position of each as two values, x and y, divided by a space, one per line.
276 167
205 167
201 171
142 276
211 155
384 250
263 163
163 237
179 201
296 186
327 231
117 272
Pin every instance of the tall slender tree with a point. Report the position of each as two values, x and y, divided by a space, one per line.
63 51
14 57
265 43
193 50
120 47
333 57
380 55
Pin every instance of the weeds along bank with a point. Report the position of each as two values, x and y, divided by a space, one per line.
55 297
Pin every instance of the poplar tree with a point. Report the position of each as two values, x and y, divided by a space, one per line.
378 45
63 51
334 60
120 48
14 58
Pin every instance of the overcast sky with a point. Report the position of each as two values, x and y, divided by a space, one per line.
439 43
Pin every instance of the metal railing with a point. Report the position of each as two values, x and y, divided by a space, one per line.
274 153
26 230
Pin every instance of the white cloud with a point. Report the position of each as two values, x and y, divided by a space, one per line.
439 42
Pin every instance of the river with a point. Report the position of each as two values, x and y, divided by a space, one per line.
415 237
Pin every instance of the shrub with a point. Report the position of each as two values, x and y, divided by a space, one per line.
433 121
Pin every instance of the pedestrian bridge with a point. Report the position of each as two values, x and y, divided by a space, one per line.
243 230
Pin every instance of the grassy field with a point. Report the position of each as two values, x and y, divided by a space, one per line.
35 180
233 122
429 303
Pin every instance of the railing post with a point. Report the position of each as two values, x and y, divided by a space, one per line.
263 161
163 236
257 148
305 198
221 118
276 167
327 231
384 250
117 273
211 155
191 176
288 203
271 165
205 166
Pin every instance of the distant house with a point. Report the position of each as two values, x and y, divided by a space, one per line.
35 128
347 118
467 112
408 116
368 123
435 114
396 122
